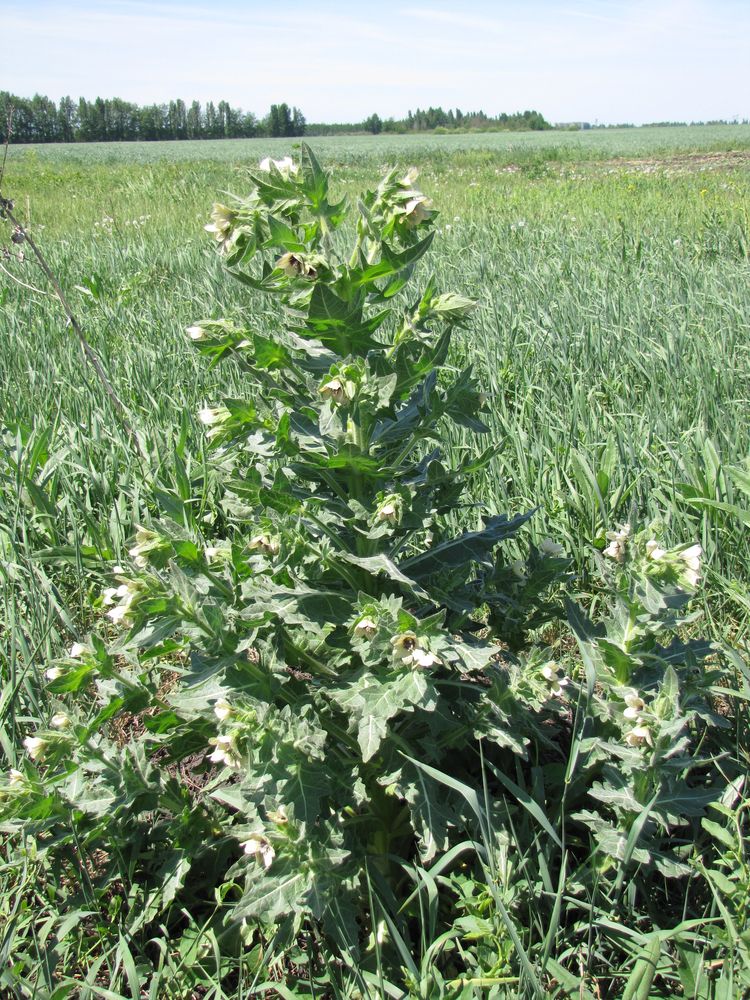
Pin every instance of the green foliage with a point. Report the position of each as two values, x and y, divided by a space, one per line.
324 732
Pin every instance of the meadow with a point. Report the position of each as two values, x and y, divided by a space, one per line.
611 339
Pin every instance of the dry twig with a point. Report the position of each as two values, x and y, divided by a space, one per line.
21 235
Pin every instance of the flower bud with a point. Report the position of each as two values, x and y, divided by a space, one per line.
333 389
549 548
222 710
365 628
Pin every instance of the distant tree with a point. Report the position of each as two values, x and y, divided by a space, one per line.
285 120
373 124
177 120
39 119
279 121
194 121
44 121
298 122
211 123
154 122
249 125
68 118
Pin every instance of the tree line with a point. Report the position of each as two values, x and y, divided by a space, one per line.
40 119
437 119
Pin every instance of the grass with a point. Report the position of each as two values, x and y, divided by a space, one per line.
612 333
508 146
612 337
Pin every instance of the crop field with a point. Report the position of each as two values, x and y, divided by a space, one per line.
611 342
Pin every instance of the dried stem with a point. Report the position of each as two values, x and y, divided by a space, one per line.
8 129
91 356
21 235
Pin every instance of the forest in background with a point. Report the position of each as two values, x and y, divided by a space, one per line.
41 119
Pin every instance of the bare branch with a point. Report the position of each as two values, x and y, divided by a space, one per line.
21 235
8 130
23 284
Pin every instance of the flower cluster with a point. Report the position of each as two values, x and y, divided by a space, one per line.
617 543
121 600
225 751
689 563
221 225
294 265
266 544
147 545
640 734
556 680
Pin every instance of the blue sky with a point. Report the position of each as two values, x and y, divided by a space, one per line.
605 60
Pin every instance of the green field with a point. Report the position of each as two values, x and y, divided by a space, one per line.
613 304
511 146
612 338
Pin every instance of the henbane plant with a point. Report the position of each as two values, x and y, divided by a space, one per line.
319 638
290 671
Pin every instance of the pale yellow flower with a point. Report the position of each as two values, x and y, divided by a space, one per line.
333 389
222 221
35 747
618 541
417 211
404 645
548 547
691 557
260 848
639 735
422 658
365 628
286 166
295 266
211 415
635 705
224 752
222 709
654 551
556 680
390 509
